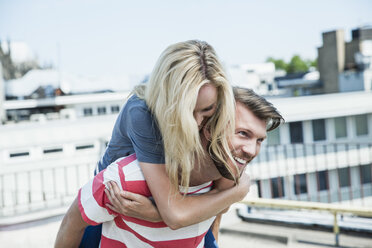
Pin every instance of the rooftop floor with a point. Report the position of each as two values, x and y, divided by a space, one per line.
234 233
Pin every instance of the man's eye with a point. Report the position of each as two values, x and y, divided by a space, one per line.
243 133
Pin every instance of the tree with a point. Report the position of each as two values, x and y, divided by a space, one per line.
297 65
279 63
312 63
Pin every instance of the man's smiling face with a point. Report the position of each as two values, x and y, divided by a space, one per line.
250 132
245 144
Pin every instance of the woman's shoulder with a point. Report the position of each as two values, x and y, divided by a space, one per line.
135 107
137 113
134 102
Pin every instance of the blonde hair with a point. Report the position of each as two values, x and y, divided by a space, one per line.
171 94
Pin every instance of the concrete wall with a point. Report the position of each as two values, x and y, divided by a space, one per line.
331 59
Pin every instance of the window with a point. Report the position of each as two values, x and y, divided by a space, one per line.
52 150
273 137
319 132
101 110
343 176
88 111
300 184
83 147
361 124
115 109
365 173
340 127
18 154
322 177
295 129
259 188
277 189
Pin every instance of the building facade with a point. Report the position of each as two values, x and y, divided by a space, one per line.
322 153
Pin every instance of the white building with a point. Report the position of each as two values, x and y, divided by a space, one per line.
322 153
67 82
259 77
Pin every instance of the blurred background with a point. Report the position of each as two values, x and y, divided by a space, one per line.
67 67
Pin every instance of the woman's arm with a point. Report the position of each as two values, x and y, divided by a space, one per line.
178 211
139 206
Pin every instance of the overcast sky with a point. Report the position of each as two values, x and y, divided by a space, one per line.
107 37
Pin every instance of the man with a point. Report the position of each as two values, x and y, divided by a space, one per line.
254 116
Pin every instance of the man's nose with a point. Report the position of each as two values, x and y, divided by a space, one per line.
250 149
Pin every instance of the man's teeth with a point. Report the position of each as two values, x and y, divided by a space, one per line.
241 161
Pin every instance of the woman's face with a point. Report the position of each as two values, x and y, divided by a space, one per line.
206 104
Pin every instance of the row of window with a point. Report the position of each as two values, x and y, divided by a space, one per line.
322 178
49 151
319 130
101 110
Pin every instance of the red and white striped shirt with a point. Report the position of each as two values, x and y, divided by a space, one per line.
122 231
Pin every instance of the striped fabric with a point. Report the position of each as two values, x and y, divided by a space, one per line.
123 231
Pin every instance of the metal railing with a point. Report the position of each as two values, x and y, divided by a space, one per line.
37 189
334 209
336 172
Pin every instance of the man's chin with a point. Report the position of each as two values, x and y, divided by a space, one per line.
223 170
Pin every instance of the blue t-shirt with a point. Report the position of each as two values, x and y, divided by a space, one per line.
135 131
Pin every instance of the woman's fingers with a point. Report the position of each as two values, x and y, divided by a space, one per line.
115 188
110 192
132 196
112 208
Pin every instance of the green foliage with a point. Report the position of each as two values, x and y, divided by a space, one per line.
312 63
279 63
296 64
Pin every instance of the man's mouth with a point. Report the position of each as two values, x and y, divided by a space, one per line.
241 162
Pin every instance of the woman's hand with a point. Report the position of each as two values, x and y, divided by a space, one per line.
131 204
243 186
241 190
223 183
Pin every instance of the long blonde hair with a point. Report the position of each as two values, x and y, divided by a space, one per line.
171 94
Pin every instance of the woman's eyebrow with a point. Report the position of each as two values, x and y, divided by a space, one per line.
209 107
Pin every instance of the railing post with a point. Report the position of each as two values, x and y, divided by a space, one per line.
336 229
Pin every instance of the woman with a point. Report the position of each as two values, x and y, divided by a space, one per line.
161 122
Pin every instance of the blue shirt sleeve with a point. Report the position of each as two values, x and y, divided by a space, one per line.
144 134
135 131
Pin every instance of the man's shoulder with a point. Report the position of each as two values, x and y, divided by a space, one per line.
131 176
126 161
